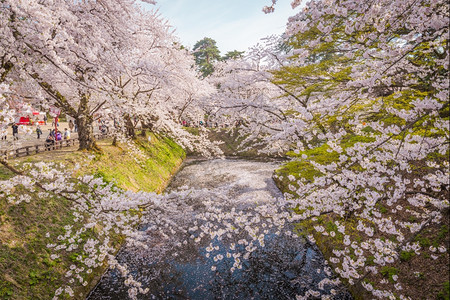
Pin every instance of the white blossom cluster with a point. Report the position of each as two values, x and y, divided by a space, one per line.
393 177
101 210
113 62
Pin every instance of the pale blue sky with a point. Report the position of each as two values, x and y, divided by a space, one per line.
234 24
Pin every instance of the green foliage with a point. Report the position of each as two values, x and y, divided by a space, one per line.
26 269
443 231
37 276
370 260
440 237
303 169
192 130
235 54
34 277
382 208
444 294
151 174
424 242
388 272
6 290
327 70
5 173
406 255
331 226
206 53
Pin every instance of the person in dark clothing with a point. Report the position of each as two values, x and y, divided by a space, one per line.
15 130
38 131
50 140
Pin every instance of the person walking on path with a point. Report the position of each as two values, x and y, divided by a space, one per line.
38 131
15 130
55 121
71 125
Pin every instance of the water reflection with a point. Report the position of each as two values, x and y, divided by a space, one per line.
285 267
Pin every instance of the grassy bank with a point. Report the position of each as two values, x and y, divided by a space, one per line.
26 269
423 276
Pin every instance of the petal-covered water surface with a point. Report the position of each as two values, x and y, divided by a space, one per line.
225 237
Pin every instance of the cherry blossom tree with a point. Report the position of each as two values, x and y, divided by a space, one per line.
159 86
367 83
71 50
244 90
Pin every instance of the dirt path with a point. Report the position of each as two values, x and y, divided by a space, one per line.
26 139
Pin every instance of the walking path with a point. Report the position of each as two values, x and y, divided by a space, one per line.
31 139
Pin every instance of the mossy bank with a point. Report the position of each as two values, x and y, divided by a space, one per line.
421 276
26 269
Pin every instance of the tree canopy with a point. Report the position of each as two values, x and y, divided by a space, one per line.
235 54
206 54
355 93
89 59
360 98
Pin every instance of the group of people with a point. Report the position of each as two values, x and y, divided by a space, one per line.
54 136
200 124
4 132
208 124
57 135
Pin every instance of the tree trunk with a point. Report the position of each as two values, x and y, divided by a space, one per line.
145 125
86 133
6 68
129 127
84 123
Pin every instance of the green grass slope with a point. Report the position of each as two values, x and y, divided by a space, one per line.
26 269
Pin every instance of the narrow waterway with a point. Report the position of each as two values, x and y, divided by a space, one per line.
228 239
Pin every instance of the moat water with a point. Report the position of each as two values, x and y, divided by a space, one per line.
284 267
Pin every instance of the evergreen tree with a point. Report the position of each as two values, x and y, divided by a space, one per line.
233 55
206 53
